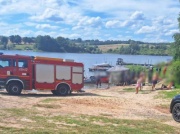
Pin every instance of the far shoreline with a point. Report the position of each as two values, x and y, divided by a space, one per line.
86 53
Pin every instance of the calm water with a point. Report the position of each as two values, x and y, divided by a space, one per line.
90 59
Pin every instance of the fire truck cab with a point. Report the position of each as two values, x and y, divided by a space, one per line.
19 72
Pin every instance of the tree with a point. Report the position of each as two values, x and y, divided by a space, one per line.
63 44
176 46
79 40
177 43
46 43
25 39
17 39
4 41
175 67
11 38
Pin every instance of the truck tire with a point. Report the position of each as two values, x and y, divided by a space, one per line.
70 92
54 92
62 90
14 88
7 90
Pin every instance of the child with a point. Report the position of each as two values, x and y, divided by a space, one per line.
138 85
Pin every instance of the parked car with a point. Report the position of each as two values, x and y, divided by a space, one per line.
175 108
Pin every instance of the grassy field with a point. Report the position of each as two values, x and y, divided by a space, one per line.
93 112
31 121
24 47
104 48
168 94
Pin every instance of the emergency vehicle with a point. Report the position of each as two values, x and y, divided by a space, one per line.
19 72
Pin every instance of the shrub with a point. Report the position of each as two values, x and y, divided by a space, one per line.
174 72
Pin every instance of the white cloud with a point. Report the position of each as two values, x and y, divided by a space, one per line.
20 6
87 18
137 15
90 21
146 29
46 26
119 8
171 32
131 21
17 31
113 24
2 24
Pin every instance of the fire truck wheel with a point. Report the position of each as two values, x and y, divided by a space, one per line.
54 92
70 92
62 90
7 90
14 88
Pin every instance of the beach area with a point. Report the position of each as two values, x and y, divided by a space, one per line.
40 110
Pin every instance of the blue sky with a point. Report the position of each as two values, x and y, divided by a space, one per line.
144 20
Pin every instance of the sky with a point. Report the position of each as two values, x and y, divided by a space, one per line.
143 20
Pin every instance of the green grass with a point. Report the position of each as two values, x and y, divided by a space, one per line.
48 100
47 123
17 111
167 94
54 106
24 47
129 89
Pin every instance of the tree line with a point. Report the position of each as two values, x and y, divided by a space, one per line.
61 44
49 44
145 49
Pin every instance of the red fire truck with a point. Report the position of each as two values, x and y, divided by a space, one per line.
18 72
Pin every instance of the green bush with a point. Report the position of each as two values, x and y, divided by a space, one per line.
174 72
136 68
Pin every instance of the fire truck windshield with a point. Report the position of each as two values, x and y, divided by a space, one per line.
5 63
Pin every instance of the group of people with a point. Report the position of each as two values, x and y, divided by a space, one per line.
153 77
154 80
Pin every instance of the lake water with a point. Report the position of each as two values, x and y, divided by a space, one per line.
90 59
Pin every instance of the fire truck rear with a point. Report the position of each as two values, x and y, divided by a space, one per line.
18 72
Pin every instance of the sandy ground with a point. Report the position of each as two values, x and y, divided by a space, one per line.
113 103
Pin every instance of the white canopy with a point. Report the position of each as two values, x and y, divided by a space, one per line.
102 64
118 68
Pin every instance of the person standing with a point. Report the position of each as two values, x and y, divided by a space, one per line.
109 80
138 84
143 79
154 81
98 81
150 73
164 70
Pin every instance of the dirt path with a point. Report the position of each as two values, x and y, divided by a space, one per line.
113 103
